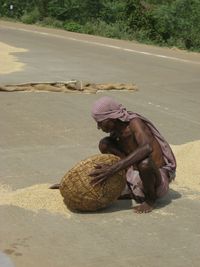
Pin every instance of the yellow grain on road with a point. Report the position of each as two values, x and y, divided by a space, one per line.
188 167
35 198
8 61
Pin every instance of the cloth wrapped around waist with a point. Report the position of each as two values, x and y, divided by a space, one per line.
135 186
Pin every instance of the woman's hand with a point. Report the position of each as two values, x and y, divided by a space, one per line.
101 173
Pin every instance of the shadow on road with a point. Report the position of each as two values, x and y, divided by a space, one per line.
172 195
116 206
127 204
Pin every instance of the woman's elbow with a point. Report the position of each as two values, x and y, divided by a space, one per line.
149 148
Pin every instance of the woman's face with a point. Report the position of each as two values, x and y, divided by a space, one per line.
107 125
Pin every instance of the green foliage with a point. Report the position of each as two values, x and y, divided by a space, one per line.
91 9
68 10
73 26
187 24
19 8
115 30
112 11
76 10
177 24
162 23
50 21
42 6
31 17
135 14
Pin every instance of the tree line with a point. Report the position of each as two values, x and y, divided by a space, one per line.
163 22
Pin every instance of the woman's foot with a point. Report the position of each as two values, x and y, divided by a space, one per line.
143 208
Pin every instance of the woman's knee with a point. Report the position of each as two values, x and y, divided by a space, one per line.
145 165
104 145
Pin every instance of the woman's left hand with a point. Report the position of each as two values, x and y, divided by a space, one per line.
101 173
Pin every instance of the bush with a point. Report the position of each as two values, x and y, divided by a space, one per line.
135 15
112 12
101 28
49 21
73 26
31 17
188 23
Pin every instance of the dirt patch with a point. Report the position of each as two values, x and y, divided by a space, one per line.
66 87
9 62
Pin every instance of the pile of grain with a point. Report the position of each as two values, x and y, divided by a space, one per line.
35 198
9 62
188 167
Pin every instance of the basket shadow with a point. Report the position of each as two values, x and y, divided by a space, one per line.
116 206
125 204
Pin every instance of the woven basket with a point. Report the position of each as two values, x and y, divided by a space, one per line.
80 195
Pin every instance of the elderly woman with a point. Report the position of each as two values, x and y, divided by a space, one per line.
144 153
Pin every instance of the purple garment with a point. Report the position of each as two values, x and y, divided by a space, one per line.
107 108
135 185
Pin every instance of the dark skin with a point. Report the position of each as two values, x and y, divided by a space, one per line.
134 143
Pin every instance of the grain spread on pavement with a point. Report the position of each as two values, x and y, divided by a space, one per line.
9 62
40 197
188 167
35 198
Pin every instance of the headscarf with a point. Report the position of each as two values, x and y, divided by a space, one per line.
107 108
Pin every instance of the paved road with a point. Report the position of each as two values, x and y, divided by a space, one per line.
44 134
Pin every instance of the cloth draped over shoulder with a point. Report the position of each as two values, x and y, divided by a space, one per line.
107 108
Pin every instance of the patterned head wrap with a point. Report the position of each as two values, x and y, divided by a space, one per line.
107 108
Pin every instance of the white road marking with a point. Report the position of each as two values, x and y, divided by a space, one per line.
173 113
106 45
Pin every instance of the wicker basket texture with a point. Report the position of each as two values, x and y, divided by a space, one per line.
80 195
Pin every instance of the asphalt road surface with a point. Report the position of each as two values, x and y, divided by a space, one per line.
44 134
